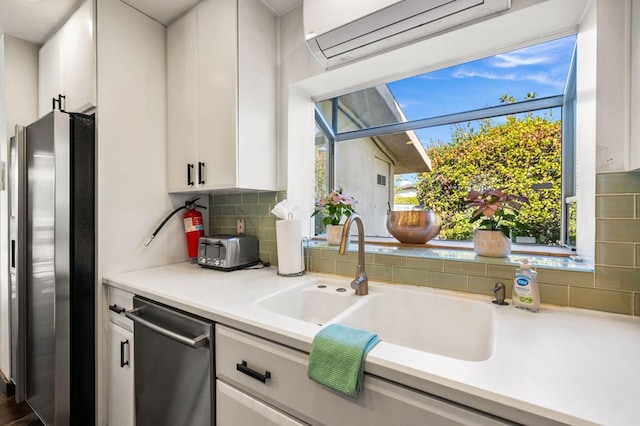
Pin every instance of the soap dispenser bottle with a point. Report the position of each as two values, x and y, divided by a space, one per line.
526 294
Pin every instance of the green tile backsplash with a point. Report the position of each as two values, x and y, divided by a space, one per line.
255 209
613 287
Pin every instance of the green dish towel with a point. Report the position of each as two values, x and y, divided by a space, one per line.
337 357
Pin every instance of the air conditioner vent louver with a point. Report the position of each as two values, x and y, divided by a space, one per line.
336 39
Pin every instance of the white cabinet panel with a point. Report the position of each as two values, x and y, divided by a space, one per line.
67 64
182 91
237 408
121 381
49 73
222 97
78 57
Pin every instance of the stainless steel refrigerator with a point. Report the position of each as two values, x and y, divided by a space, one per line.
52 267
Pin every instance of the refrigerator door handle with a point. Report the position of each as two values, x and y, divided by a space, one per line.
195 343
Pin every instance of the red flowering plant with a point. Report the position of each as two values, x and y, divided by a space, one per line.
335 206
495 209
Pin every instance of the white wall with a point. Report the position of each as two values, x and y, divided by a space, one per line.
18 105
131 137
587 57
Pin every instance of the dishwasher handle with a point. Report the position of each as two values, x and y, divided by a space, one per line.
196 342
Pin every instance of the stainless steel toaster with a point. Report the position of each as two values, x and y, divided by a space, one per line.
227 252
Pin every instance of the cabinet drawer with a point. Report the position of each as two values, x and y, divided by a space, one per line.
120 299
288 388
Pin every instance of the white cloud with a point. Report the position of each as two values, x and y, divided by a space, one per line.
539 77
468 73
511 60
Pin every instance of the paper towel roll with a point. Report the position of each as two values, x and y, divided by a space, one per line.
289 242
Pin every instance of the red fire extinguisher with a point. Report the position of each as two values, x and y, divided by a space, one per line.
193 226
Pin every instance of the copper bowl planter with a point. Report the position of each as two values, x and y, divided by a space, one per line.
413 226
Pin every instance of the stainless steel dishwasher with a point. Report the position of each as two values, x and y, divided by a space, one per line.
174 369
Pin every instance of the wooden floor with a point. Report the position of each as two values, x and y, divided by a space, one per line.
12 414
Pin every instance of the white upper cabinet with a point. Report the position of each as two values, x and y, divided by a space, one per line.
221 71
67 64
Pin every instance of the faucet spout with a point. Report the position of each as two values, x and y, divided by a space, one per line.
360 283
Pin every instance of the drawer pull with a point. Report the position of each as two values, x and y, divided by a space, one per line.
249 372
116 309
122 361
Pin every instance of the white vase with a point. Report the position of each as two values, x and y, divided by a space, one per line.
334 234
491 243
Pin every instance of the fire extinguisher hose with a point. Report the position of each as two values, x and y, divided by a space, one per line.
187 205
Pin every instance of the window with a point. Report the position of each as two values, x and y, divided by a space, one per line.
502 121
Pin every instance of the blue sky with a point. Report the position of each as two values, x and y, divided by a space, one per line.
540 68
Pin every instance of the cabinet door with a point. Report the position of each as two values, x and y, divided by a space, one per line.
78 58
182 92
49 73
218 93
234 407
257 51
121 381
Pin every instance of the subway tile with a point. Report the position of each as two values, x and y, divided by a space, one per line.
250 198
351 256
322 265
268 246
378 272
618 183
313 252
615 206
385 259
637 255
267 257
410 276
504 272
448 281
281 196
215 210
219 199
615 254
267 197
636 309
267 222
601 300
230 210
265 234
458 267
244 209
618 278
261 210
637 206
234 198
554 294
618 230
574 278
422 263
484 285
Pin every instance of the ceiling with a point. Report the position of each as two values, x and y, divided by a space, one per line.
35 20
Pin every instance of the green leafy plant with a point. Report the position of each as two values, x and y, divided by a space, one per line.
335 206
495 209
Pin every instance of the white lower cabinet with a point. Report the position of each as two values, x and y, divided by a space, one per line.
235 407
121 402
243 361
121 381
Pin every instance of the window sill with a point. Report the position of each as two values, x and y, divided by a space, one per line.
538 256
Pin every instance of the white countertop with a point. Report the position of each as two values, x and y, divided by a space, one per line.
564 364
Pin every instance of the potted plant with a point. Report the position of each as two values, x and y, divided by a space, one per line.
497 212
335 207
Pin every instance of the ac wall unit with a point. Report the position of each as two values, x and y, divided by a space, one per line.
340 31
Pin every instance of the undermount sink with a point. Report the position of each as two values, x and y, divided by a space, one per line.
316 301
451 326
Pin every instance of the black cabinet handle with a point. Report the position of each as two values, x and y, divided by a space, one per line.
115 308
200 172
122 361
249 372
189 180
